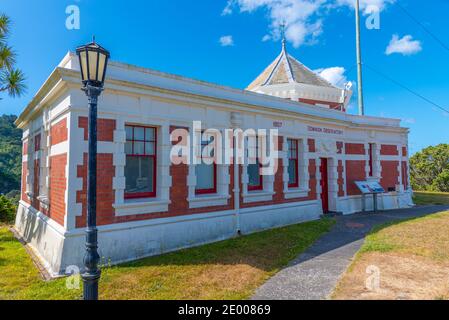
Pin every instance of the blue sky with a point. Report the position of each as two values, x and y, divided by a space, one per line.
183 37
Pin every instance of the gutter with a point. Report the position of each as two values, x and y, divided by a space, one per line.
236 122
236 191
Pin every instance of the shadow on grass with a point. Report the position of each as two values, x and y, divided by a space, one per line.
266 250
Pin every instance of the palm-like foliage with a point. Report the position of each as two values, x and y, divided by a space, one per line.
4 24
7 57
15 80
11 80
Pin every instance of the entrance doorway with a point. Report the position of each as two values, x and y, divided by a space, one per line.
324 185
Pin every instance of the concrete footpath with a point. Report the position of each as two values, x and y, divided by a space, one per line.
314 274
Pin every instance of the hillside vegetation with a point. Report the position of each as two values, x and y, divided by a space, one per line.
10 154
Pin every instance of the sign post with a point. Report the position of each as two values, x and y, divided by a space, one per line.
369 187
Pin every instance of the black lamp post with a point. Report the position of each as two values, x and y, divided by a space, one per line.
93 62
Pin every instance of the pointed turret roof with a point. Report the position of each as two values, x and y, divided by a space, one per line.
286 69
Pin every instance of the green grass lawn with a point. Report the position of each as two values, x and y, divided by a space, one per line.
429 198
230 269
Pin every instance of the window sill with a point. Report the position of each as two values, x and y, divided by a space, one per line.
208 200
140 206
257 196
45 202
296 193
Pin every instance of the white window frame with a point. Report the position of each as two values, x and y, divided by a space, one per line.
267 192
125 207
303 168
221 196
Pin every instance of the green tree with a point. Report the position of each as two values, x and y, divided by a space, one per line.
10 154
7 210
429 169
441 183
12 80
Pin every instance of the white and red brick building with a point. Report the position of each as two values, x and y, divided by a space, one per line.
147 205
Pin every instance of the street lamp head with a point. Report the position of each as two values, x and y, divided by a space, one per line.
93 62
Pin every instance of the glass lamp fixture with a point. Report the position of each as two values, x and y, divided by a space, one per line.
93 63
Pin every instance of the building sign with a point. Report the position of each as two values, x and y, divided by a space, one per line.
277 124
324 130
369 187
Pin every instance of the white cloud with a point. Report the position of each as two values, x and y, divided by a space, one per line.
266 37
409 120
296 14
226 41
405 46
334 75
228 9
303 18
366 5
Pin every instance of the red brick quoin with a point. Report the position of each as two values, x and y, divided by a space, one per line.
59 132
404 169
390 175
355 171
58 182
340 181
355 148
24 196
389 150
105 128
25 148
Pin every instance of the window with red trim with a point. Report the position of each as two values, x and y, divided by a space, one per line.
371 156
37 171
37 142
255 179
293 178
206 171
140 169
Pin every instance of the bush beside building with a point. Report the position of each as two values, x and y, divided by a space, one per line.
429 169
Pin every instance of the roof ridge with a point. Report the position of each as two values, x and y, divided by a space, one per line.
310 70
292 75
279 60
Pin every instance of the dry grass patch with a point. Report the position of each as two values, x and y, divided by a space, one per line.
401 277
412 257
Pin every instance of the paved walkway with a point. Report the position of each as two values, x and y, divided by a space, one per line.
315 273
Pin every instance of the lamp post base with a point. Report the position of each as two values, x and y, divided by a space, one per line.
90 285
92 273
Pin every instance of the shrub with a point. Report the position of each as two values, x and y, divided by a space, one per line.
7 210
429 169
441 182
